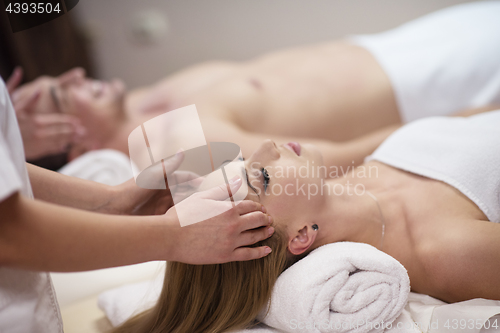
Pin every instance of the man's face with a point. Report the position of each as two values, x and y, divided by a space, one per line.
96 103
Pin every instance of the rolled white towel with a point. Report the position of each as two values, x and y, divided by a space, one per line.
339 287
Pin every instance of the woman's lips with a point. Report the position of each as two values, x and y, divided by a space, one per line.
293 146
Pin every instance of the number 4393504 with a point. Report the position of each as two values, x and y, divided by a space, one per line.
463 323
32 8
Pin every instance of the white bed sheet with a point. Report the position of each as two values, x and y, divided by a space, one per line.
422 313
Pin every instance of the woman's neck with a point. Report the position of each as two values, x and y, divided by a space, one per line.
349 214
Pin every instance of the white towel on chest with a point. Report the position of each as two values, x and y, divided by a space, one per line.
462 152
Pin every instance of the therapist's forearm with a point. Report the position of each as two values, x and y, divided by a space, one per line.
68 191
36 235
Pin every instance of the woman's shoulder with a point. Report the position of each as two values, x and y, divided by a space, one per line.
461 260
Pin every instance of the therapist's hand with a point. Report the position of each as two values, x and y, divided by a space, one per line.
130 199
222 238
44 133
14 80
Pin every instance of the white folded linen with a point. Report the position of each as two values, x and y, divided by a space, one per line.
339 287
124 302
106 166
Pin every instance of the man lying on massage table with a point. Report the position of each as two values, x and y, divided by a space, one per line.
345 96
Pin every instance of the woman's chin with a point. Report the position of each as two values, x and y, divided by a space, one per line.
312 152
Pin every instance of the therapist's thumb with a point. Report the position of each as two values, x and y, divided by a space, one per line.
171 164
221 192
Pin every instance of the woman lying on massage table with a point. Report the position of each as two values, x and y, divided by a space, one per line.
345 97
428 196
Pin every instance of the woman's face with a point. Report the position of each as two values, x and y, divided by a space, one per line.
285 179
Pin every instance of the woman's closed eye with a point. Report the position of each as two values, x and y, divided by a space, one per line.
250 185
265 181
265 178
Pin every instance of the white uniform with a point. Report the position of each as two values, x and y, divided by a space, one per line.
463 152
444 62
27 299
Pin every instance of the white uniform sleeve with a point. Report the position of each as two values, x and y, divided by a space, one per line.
10 180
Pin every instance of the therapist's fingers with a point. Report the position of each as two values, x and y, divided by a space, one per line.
14 80
250 253
56 132
251 237
187 176
171 164
247 206
55 124
56 120
25 105
187 179
254 220
60 138
221 192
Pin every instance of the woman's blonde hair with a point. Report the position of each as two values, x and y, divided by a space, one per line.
213 298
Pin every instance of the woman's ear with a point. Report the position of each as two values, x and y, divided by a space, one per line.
302 241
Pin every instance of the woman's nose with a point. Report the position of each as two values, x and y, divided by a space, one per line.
269 150
269 144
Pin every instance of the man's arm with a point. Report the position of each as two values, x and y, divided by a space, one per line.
36 235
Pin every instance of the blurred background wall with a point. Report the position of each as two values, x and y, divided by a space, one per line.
141 41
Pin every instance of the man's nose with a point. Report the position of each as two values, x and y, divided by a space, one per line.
72 76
